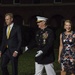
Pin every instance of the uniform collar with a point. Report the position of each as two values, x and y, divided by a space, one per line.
44 28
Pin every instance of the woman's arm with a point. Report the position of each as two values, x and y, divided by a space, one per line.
60 48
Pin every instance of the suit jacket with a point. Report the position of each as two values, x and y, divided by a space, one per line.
47 47
14 41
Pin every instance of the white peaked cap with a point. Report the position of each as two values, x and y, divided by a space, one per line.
39 18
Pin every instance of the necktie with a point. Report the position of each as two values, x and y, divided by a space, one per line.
8 32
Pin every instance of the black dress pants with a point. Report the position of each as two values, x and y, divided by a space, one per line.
6 57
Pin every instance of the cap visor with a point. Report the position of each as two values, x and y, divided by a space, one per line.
39 21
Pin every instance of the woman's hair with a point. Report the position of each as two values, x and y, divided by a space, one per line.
69 21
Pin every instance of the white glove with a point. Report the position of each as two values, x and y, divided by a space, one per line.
39 53
25 49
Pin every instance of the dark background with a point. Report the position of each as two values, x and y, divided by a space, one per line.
25 12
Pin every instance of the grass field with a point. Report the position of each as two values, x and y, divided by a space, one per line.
26 63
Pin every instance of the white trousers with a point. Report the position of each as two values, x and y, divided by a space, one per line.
39 69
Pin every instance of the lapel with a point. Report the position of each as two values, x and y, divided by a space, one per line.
5 31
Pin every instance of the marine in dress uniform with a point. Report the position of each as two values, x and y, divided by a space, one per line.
45 53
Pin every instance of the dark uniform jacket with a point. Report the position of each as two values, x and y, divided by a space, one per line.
45 42
14 41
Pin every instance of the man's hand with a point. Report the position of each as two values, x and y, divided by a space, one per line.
39 53
15 54
25 49
0 53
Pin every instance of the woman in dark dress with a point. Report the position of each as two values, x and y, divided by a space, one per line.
66 55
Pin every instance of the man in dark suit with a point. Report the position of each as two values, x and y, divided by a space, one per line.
45 51
11 44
